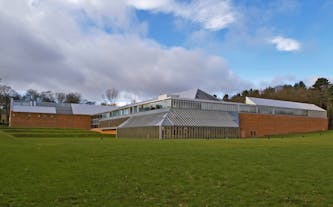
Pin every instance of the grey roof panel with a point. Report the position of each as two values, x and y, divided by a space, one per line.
205 96
47 104
195 94
60 108
34 109
86 109
284 104
64 108
155 119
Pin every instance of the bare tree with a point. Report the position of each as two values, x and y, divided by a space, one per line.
111 95
47 96
225 97
73 98
88 102
60 97
31 95
6 92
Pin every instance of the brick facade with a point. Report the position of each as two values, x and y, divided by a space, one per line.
251 125
259 125
42 120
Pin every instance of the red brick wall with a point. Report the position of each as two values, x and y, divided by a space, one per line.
39 120
263 124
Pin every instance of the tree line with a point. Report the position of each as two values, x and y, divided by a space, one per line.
6 93
320 94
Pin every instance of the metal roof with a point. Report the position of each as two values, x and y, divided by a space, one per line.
184 117
194 94
155 119
34 109
86 109
283 104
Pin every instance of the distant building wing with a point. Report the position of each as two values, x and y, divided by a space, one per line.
285 104
62 108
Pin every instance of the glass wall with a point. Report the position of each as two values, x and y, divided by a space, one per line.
244 108
265 110
208 106
293 112
194 132
247 109
137 108
219 107
154 105
186 104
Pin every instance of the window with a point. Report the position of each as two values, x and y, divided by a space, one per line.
253 133
265 110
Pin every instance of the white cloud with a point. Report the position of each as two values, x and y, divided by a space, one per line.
149 4
211 14
285 44
45 45
278 81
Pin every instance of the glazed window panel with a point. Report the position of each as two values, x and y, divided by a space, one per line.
265 110
248 109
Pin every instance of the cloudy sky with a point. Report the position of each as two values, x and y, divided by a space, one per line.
150 47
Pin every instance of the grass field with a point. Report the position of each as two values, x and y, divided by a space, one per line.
76 168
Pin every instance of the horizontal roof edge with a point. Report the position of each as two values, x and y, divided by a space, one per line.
282 104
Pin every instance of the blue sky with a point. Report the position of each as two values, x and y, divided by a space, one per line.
308 22
147 47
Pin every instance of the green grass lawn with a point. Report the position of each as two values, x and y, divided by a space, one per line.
292 171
